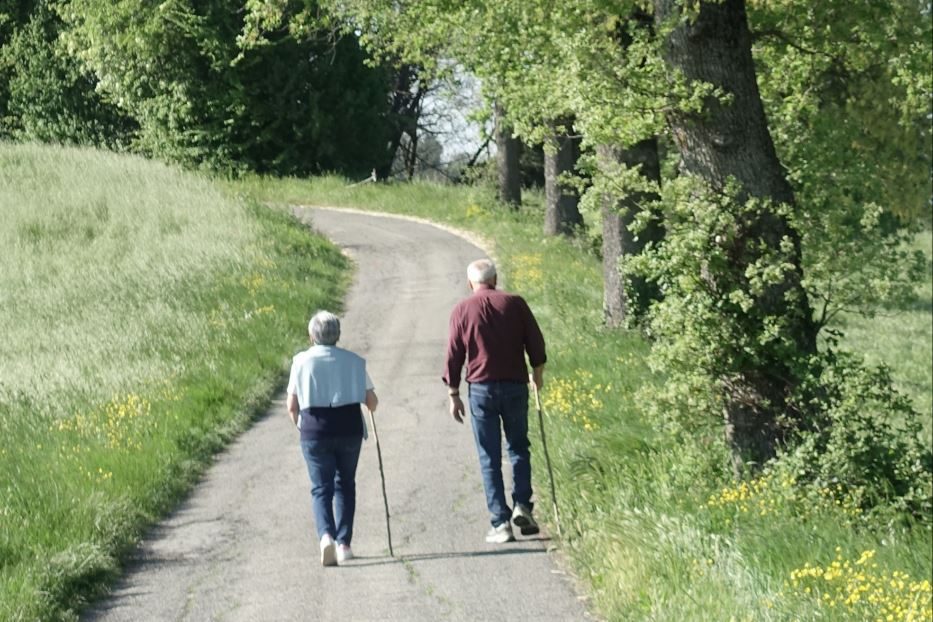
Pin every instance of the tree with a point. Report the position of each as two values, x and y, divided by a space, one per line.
207 91
728 146
46 95
619 214
561 151
508 151
853 74
404 114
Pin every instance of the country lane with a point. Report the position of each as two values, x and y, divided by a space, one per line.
242 546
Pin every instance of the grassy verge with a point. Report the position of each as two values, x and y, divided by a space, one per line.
146 317
657 530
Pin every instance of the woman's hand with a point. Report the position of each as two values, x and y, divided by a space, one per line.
371 400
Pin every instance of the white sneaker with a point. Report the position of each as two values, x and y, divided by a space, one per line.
523 519
344 553
500 534
328 550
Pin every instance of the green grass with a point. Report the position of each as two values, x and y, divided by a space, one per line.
901 338
146 317
657 530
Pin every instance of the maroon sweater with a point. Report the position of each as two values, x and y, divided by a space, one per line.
491 331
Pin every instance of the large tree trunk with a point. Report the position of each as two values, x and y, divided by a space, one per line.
732 141
508 150
562 214
618 238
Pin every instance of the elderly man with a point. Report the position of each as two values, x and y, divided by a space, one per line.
326 386
491 331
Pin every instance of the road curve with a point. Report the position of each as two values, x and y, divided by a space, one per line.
242 546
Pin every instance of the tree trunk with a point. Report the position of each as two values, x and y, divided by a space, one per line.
411 156
401 97
561 215
732 140
403 116
618 238
508 150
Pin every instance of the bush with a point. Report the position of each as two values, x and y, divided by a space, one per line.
866 447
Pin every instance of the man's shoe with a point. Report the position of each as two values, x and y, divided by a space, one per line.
500 534
344 553
328 550
523 519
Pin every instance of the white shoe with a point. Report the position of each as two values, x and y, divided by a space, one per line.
523 519
500 534
328 550
344 553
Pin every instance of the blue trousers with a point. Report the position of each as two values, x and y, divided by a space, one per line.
332 469
499 407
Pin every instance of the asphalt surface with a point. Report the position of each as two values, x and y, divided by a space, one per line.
242 547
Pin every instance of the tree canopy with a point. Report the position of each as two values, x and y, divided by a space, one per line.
182 81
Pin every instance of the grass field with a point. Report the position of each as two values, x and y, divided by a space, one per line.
146 317
656 530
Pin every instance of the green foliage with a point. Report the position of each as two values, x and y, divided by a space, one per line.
868 445
179 80
720 316
159 314
49 96
848 91
850 116
854 430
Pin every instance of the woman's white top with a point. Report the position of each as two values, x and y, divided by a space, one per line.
325 376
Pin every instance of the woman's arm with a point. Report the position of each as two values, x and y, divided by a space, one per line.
292 404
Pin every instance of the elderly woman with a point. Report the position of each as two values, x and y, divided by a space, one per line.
325 389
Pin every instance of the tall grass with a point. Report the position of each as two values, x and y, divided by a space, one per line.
656 529
145 317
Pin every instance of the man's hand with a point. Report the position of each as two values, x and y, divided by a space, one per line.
456 408
536 377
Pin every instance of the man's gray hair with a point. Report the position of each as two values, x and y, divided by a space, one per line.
481 271
324 328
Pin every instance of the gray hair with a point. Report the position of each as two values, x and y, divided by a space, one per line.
324 328
481 271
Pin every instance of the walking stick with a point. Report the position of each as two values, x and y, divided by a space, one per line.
382 476
547 460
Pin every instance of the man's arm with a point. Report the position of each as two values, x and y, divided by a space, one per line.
456 355
534 346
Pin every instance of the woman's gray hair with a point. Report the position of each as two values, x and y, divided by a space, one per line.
481 271
324 328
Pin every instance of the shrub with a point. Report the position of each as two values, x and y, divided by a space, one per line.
866 444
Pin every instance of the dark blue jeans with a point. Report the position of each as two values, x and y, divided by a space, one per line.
502 406
332 469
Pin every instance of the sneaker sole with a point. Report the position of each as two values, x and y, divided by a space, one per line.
500 540
526 526
329 555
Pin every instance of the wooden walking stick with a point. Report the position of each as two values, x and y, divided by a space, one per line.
547 460
382 476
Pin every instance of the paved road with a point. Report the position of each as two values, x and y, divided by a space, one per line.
242 546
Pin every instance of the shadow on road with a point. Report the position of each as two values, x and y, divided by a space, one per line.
360 560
